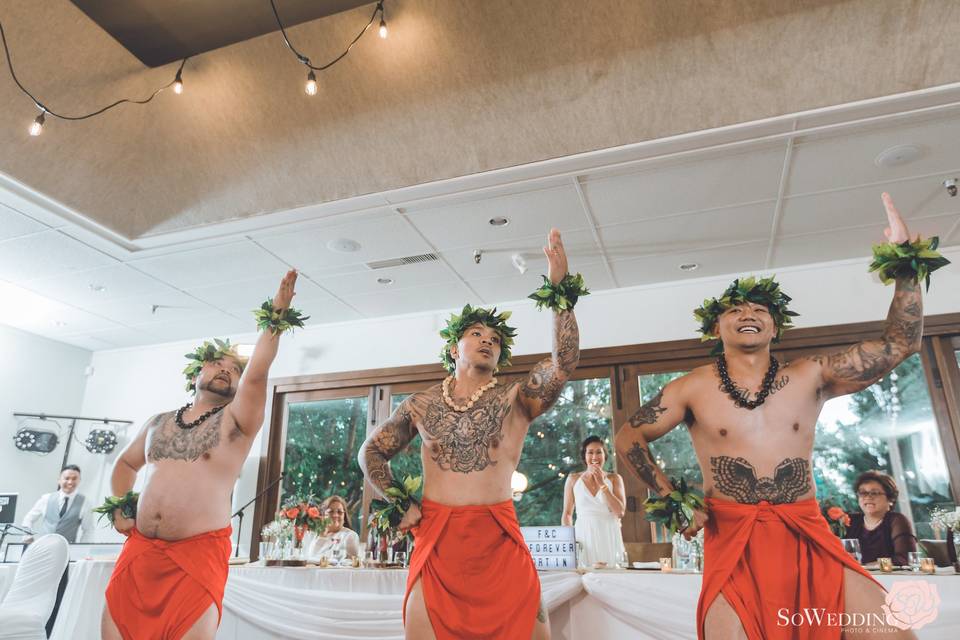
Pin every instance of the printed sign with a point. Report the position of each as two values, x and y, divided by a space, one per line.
551 547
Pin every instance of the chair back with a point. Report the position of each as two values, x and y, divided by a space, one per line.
34 588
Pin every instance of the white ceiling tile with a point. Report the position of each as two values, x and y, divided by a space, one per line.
411 300
847 159
686 186
740 259
678 233
496 259
379 239
406 276
115 338
76 287
171 306
204 328
47 254
250 294
856 207
529 213
515 287
14 224
849 243
228 262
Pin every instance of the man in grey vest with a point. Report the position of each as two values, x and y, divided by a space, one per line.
64 511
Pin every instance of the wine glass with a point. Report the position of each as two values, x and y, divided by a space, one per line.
852 546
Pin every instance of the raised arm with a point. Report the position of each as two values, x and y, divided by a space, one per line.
386 441
543 386
248 405
861 365
655 418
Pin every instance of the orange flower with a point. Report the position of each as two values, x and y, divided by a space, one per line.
313 512
846 520
835 513
292 512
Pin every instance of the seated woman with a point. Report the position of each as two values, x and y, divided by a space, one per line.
337 536
599 501
883 533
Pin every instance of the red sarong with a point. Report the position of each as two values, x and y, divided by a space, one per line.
476 573
160 588
772 559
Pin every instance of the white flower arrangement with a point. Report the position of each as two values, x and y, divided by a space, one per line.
947 519
277 530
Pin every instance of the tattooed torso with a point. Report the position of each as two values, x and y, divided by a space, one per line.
190 475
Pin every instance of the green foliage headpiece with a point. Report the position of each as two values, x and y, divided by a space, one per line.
457 325
765 291
208 352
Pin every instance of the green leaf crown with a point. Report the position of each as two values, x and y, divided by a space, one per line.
765 291
457 325
208 352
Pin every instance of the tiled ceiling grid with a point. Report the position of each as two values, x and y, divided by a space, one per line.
791 201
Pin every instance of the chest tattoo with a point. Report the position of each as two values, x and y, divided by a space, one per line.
738 478
462 442
170 442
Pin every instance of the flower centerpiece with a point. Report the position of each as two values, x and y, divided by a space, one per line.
836 517
950 522
303 514
276 536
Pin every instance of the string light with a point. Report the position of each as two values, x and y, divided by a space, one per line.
311 86
178 82
37 127
383 26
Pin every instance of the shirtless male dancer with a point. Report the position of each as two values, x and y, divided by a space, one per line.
169 579
471 574
768 551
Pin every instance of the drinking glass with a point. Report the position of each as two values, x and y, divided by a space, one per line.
913 559
623 560
852 546
400 558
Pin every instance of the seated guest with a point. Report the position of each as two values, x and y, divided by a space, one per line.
599 501
883 533
337 535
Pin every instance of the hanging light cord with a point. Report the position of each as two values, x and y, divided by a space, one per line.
304 59
46 109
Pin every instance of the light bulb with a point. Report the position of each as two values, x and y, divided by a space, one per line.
383 27
178 84
37 127
311 86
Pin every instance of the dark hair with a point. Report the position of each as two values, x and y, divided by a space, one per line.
70 467
587 442
889 484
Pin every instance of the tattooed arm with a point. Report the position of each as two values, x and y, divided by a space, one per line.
861 365
655 418
543 386
386 441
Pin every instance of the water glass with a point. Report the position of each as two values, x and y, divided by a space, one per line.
666 565
913 559
400 558
370 559
852 546
623 560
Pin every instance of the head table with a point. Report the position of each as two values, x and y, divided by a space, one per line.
314 603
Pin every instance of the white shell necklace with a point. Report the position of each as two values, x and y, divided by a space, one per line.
473 399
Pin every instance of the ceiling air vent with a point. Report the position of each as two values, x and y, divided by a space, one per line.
399 262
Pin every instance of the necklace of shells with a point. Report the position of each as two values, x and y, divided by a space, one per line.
473 399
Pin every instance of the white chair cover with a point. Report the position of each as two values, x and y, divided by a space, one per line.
27 606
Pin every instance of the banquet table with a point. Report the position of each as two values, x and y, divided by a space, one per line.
312 603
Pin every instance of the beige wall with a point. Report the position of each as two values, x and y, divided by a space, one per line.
459 87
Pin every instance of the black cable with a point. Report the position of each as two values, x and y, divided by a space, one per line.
304 59
44 109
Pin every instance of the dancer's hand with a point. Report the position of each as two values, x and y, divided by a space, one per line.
411 518
700 519
556 257
121 524
286 291
897 231
596 473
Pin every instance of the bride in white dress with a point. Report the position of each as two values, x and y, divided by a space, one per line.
599 500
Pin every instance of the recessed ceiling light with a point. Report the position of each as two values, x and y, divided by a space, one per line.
499 221
343 245
385 280
97 288
898 155
689 266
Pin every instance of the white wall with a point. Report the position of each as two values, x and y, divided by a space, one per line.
139 382
40 376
